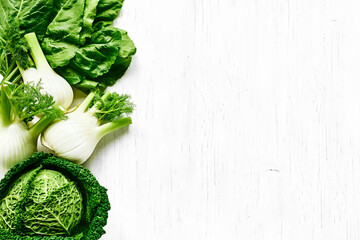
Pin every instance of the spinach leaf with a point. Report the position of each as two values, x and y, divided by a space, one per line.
58 52
89 16
57 5
97 57
88 85
30 15
108 10
122 62
127 46
62 37
126 49
19 18
34 16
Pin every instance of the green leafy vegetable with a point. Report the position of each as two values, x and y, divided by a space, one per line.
122 62
62 37
33 16
76 37
99 61
49 197
87 85
108 10
58 214
126 49
10 206
57 5
70 203
96 58
19 18
89 16
46 182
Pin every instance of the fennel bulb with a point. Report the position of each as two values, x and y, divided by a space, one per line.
51 83
76 137
18 105
16 143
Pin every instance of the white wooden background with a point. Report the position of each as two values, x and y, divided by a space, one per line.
247 123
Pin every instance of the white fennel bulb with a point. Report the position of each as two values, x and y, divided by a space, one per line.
51 82
18 105
76 137
16 143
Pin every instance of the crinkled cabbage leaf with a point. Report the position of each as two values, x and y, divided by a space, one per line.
42 202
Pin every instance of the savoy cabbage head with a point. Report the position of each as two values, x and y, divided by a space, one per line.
45 197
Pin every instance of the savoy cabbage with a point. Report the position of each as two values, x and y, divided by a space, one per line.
45 197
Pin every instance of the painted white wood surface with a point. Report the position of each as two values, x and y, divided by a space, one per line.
247 123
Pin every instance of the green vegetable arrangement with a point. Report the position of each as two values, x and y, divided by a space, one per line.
47 48
45 195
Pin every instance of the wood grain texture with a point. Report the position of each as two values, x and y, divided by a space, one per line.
247 123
